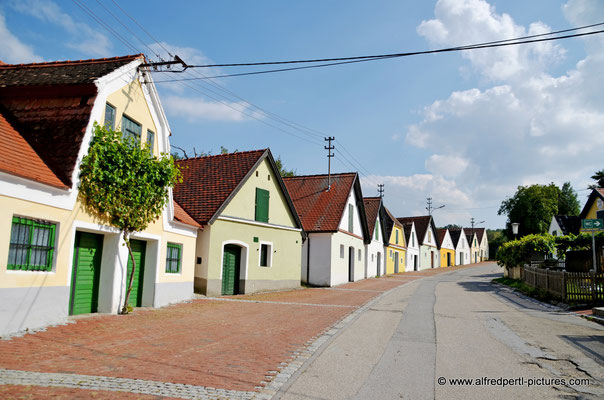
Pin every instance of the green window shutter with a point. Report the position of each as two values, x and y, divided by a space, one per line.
31 245
262 200
350 218
173 258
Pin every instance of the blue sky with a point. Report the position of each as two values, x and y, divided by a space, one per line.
465 129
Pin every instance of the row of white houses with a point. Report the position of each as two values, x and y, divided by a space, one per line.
233 226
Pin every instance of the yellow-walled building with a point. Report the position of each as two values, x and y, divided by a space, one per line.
594 207
447 248
56 260
396 249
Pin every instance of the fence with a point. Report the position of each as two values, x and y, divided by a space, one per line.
578 287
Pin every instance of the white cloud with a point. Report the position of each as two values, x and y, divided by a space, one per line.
447 166
197 108
465 22
12 50
83 38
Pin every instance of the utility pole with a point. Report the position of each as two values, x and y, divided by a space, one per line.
381 189
329 148
430 208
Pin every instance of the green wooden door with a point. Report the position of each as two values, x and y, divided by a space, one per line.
139 248
230 269
86 273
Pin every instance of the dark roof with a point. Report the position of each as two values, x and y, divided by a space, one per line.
569 224
595 193
372 209
19 158
182 216
455 235
209 181
49 104
321 210
479 234
60 72
421 226
440 235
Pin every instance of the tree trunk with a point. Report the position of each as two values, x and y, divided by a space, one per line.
131 279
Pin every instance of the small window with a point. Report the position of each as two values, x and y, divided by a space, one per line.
266 251
359 254
372 257
173 257
269 177
429 236
376 234
150 140
341 251
31 245
262 199
396 231
350 218
412 239
131 129
109 116
390 253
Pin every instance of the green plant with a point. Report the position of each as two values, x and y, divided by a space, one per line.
518 252
123 185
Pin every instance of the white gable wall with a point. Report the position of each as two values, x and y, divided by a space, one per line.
412 250
356 228
462 248
447 242
372 250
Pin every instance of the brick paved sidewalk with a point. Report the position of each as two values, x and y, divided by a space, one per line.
215 343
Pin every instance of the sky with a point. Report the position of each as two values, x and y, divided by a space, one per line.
464 128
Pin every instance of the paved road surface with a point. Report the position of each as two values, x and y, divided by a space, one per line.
453 326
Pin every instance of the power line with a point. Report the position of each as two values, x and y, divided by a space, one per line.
350 60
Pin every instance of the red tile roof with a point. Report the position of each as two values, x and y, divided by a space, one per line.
19 158
320 210
209 181
49 104
181 215
372 208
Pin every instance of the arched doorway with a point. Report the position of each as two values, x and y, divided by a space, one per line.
231 262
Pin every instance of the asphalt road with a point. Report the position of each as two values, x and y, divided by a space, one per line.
418 339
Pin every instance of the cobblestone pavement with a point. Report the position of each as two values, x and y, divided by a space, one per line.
244 346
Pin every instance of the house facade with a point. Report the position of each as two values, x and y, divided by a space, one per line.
58 260
429 256
474 245
396 249
252 236
594 207
562 225
333 217
462 247
412 262
447 248
374 251
480 244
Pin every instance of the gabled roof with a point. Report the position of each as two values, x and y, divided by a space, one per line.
597 193
421 226
182 216
391 222
372 209
210 182
440 235
49 105
321 210
455 236
478 231
19 158
568 224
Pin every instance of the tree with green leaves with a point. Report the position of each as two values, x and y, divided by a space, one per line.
532 207
598 176
568 202
284 172
123 185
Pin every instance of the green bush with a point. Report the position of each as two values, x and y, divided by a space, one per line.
521 251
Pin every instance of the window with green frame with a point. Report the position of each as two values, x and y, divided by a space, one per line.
173 257
31 245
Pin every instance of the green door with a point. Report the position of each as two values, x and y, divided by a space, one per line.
86 273
230 269
139 248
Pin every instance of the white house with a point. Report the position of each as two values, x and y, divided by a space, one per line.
462 248
429 255
374 251
333 216
412 246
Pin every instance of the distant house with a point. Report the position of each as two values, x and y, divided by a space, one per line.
426 234
594 207
447 248
412 262
462 247
252 236
333 216
563 225
474 245
396 247
477 237
58 260
375 250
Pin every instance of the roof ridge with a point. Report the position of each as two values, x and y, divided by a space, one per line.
71 62
372 198
222 155
319 175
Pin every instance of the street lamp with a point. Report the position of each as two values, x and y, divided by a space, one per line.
515 226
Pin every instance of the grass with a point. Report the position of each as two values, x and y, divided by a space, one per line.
528 290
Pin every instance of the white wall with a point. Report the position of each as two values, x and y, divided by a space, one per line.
412 250
462 247
357 230
339 265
